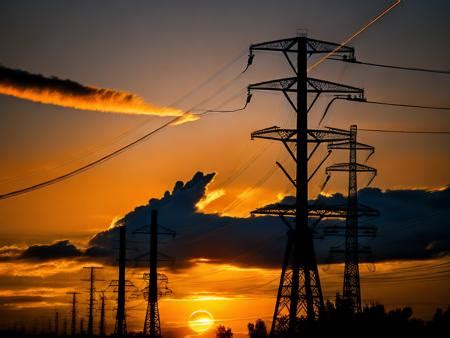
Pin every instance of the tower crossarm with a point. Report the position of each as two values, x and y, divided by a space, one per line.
290 135
288 85
313 46
347 167
346 145
315 211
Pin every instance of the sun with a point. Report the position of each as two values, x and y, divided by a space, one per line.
201 321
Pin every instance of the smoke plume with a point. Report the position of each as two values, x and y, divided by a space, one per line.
71 94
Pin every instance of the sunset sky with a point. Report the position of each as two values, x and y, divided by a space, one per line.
160 51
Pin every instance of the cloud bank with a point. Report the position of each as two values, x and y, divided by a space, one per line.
413 225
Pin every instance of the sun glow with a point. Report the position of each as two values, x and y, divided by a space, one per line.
201 321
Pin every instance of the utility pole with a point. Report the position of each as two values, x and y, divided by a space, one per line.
56 322
152 326
65 327
102 315
74 313
121 327
91 281
82 326
299 293
351 286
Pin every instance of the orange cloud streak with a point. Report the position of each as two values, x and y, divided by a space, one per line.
71 94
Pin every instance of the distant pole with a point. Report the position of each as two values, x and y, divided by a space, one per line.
82 326
56 322
65 327
91 280
102 315
74 313
120 328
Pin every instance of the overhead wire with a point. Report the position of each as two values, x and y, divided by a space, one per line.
122 149
354 35
438 132
382 65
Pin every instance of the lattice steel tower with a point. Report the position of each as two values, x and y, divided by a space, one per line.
152 325
351 288
299 294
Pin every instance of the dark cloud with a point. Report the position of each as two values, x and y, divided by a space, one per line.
413 225
58 250
23 80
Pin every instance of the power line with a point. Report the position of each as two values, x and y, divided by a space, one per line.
382 65
383 103
147 120
442 132
395 104
133 143
89 165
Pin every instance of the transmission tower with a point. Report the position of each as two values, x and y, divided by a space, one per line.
102 323
152 325
299 294
351 287
91 280
120 328
73 324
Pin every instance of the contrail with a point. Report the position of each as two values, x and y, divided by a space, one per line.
71 94
354 35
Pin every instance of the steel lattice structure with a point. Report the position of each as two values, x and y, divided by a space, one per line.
299 294
351 285
152 324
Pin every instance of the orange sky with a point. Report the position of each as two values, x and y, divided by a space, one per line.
161 52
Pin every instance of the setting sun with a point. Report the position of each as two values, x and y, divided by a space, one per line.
201 321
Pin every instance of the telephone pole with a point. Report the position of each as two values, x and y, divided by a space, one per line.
56 322
299 295
102 315
73 328
91 280
351 286
121 326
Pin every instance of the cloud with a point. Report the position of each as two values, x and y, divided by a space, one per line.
71 94
58 250
413 225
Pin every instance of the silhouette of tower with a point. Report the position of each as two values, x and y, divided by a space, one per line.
102 315
73 324
91 280
351 285
121 326
152 326
299 294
